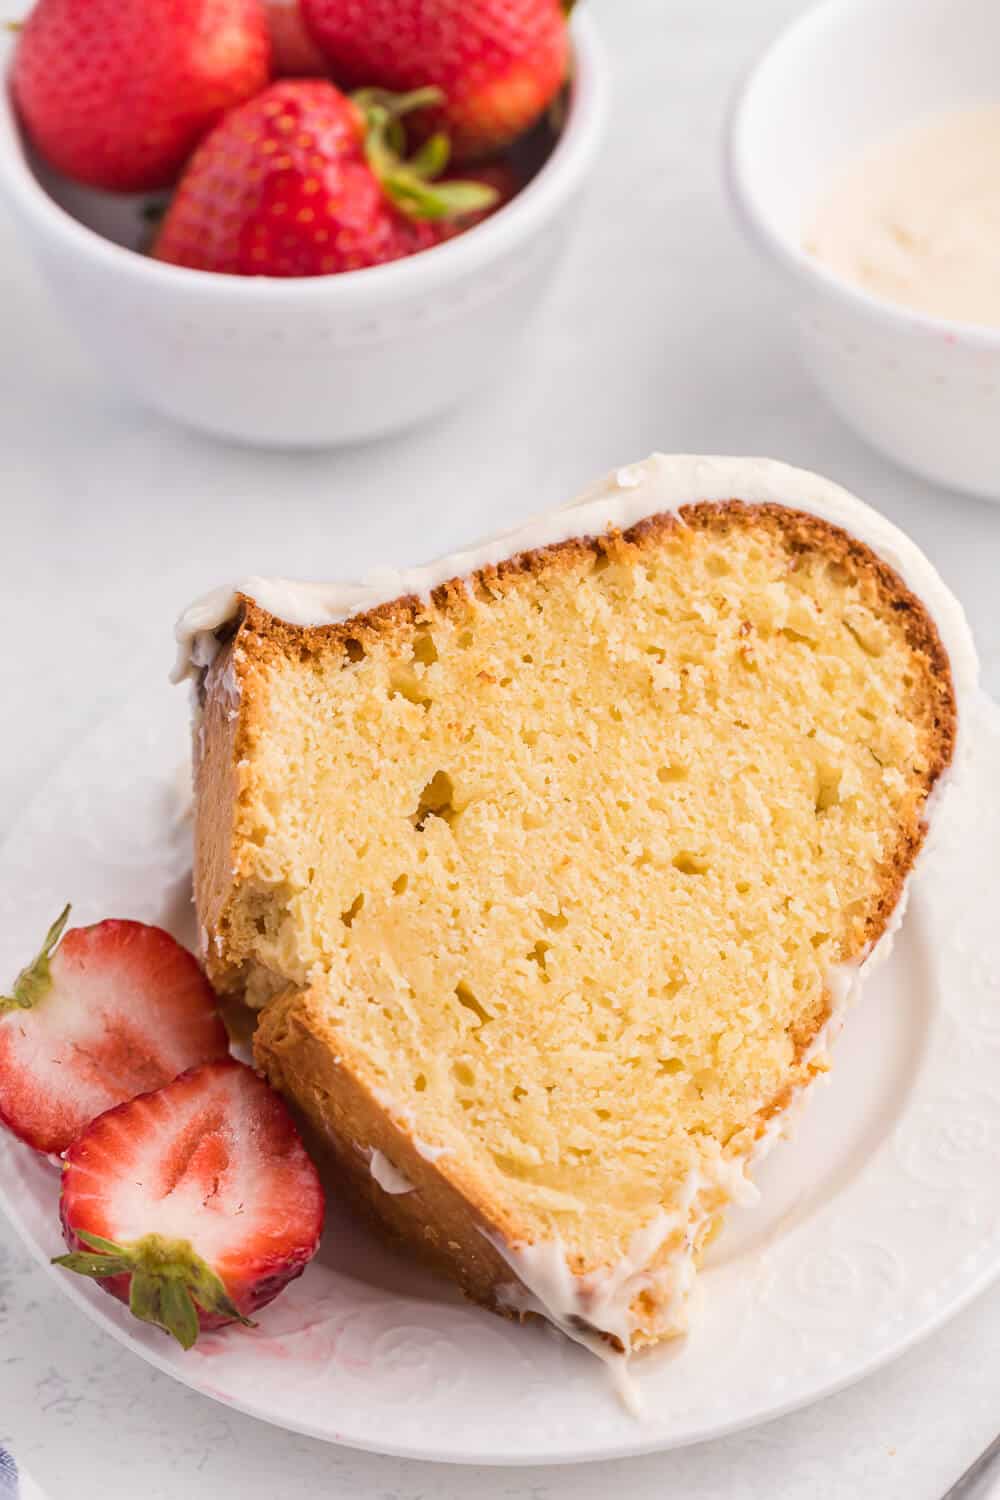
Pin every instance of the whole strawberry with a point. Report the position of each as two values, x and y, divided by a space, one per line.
195 1204
499 63
117 93
304 181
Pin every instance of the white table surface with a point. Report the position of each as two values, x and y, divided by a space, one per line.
662 332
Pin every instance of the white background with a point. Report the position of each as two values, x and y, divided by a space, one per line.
661 332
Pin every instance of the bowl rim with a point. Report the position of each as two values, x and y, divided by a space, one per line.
467 253
792 258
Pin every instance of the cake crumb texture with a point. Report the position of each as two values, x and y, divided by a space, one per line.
550 871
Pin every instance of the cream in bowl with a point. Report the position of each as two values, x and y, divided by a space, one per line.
915 219
859 163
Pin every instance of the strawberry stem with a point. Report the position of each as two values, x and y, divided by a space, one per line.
33 983
411 182
432 158
397 105
169 1281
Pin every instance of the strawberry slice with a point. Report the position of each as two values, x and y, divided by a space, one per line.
113 1011
195 1204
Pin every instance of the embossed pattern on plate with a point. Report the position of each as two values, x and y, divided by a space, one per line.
878 1221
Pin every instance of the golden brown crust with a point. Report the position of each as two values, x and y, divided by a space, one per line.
449 1218
443 1219
216 779
446 1216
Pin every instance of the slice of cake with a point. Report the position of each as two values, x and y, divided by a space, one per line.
553 865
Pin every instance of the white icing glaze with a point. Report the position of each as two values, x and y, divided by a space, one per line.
389 1178
600 1302
584 1307
427 1151
407 1120
661 483
227 686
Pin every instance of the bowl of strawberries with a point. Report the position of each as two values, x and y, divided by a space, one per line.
299 223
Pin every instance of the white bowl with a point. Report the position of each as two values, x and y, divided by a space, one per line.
316 361
847 73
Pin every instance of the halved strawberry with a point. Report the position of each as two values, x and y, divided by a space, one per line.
195 1204
115 1010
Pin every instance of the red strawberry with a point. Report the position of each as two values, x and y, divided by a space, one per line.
499 63
303 181
115 1010
195 1204
117 93
294 54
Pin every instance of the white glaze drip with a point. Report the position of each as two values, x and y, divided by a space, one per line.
407 1120
389 1178
600 1303
427 1151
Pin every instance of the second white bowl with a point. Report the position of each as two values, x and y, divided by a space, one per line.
848 73
311 362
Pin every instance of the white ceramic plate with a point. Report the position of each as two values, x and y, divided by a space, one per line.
880 1220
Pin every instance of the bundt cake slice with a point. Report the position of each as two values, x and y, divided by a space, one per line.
551 867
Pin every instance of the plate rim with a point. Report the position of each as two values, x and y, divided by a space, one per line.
488 1459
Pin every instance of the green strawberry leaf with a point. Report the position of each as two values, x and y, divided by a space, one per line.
144 1298
393 106
432 158
209 1291
169 1282
408 181
456 199
108 1258
92 1265
96 1242
438 200
33 983
178 1314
